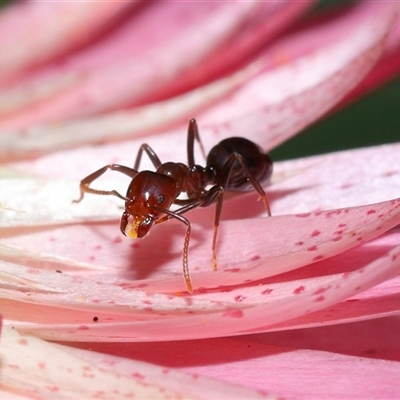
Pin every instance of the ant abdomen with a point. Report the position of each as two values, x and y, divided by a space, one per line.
258 163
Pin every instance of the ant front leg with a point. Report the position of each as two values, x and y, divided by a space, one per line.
185 254
85 183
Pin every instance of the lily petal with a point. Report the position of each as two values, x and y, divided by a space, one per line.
272 108
99 377
49 31
136 61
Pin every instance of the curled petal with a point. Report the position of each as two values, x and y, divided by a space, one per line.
49 31
269 101
33 368
136 62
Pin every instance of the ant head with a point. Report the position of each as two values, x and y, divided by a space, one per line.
148 195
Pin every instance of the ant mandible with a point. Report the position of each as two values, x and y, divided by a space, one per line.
234 164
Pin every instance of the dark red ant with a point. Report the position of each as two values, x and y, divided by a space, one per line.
235 164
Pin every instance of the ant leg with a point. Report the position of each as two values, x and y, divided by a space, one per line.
85 183
229 165
216 194
185 256
193 133
219 199
150 152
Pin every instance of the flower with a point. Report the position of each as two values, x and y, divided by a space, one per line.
327 260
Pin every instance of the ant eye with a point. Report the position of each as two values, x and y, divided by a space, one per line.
160 199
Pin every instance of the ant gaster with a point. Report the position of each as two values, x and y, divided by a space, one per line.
235 164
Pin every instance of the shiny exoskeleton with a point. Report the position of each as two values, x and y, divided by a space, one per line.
234 164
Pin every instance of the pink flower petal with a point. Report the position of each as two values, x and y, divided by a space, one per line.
349 361
277 103
387 68
49 30
309 189
143 316
32 368
274 103
298 373
136 61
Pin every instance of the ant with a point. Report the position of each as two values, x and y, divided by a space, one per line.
235 164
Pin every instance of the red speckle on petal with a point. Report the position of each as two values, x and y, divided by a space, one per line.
267 291
299 243
137 375
52 389
299 289
233 313
42 365
394 256
337 238
389 173
34 271
321 290
303 215
117 239
83 328
316 232
255 258
319 299
318 258
127 286
23 341
234 270
371 211
312 248
346 185
239 298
